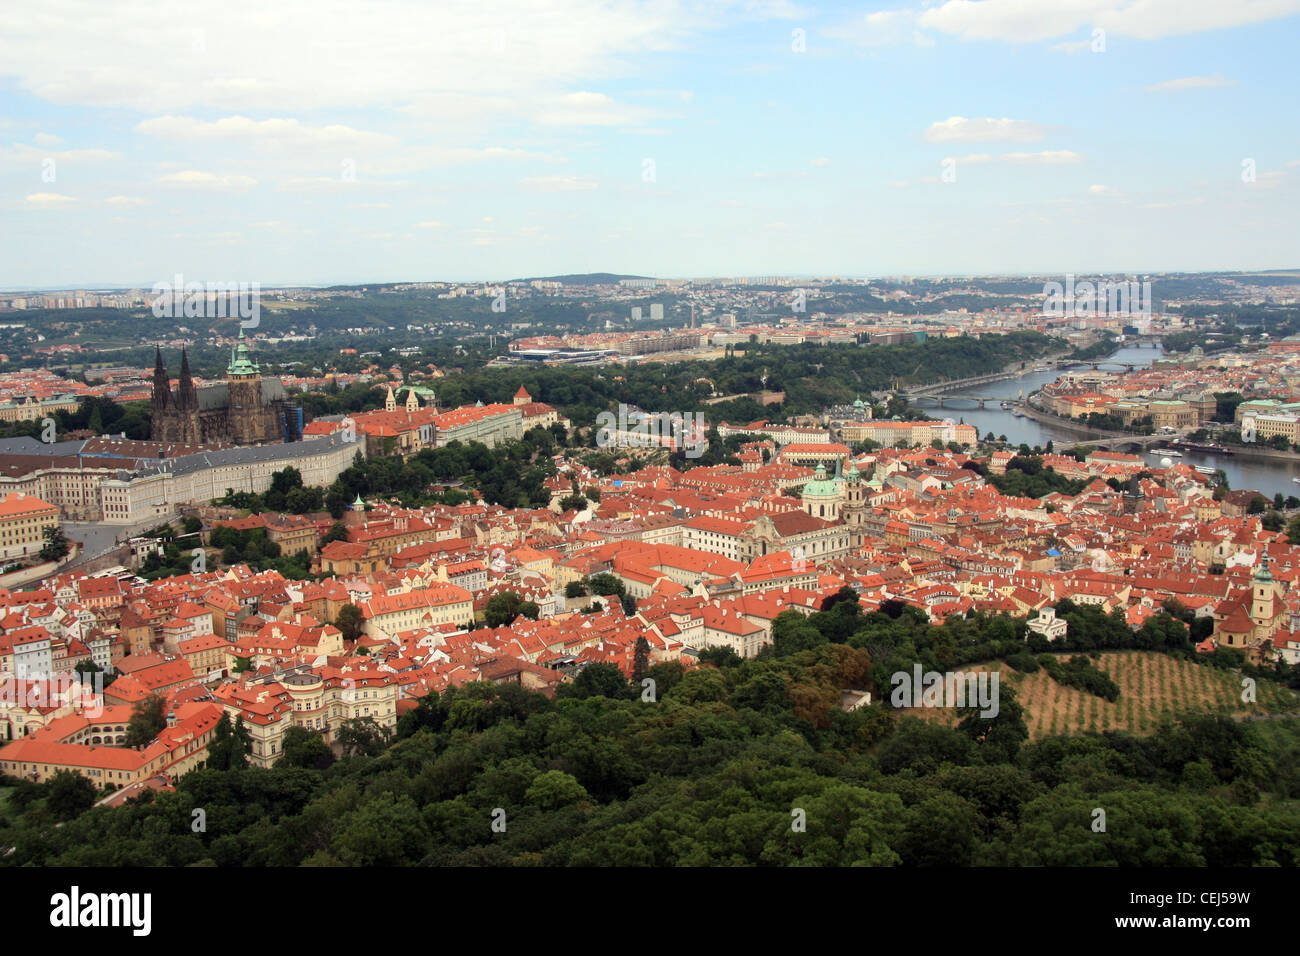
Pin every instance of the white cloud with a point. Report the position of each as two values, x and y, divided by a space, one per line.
24 153
1197 201
126 201
47 139
1190 83
776 9
881 28
49 200
275 133
958 129
1072 46
199 179
429 224
585 108
1027 21
1100 190
558 184
1047 157
819 161
286 57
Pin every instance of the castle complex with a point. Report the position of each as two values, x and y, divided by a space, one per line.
246 410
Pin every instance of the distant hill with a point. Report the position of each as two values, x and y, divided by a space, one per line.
588 278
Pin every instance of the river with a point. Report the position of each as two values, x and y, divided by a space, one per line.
1268 477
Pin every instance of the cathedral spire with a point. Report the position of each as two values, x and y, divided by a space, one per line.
188 397
162 386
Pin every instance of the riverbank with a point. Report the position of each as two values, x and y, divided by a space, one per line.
1269 473
1238 452
1075 427
1246 453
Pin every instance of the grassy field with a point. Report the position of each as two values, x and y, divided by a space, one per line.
1151 686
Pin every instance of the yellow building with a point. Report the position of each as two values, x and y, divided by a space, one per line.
23 520
442 604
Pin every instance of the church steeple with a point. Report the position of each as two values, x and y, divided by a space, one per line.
1263 573
187 397
162 386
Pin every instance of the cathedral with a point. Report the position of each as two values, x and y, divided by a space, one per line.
246 409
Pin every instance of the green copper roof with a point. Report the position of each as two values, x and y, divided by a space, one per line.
821 485
1263 573
240 363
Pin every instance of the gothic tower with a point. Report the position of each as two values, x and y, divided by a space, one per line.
162 387
187 405
246 413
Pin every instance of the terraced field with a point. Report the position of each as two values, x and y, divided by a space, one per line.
1151 686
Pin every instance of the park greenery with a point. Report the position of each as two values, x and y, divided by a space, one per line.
744 763
1027 477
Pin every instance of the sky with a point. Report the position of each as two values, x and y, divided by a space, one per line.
327 142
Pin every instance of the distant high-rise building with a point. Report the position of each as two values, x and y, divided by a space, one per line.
657 311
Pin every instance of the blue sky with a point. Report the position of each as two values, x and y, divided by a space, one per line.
325 142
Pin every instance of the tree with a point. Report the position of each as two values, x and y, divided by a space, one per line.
230 744
792 633
56 545
304 748
337 532
148 718
999 736
606 584
502 608
597 680
553 790
720 656
69 794
351 622
363 737
94 675
640 661
1258 505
